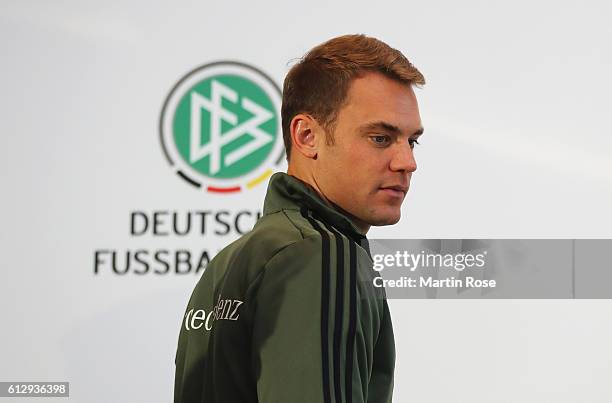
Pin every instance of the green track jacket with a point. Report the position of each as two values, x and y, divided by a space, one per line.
288 313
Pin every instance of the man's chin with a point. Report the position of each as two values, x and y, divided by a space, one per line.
385 220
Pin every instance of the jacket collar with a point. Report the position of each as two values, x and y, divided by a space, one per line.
286 192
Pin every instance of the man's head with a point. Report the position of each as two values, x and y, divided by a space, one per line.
350 121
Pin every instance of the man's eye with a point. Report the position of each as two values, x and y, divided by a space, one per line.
380 140
412 142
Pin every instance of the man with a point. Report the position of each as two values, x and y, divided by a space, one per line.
288 313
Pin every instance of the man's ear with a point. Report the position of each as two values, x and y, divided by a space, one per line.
306 135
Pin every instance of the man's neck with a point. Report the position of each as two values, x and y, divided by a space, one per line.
310 180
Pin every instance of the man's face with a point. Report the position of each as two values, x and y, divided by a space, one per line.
366 172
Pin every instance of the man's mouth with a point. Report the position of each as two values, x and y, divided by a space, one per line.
395 191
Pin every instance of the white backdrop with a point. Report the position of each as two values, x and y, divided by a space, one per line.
517 145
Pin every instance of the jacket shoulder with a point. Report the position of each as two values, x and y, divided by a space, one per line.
270 235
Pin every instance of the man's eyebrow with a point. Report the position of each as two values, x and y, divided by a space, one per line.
419 132
380 126
387 127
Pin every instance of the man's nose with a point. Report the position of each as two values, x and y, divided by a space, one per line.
403 159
